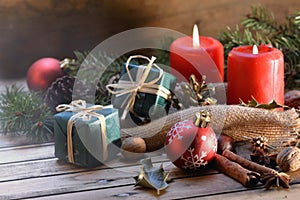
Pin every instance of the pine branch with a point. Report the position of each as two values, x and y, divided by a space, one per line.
260 27
163 56
24 113
260 19
239 37
99 62
109 67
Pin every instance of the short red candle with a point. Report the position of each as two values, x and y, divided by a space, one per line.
208 59
259 75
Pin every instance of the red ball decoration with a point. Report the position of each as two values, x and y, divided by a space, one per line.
190 146
42 73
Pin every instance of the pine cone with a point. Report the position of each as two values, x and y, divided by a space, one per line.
185 95
102 96
61 91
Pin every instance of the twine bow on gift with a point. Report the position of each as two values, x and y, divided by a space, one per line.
85 113
139 85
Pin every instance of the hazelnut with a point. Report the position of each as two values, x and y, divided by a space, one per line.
133 148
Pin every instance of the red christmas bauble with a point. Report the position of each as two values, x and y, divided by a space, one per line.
42 73
191 147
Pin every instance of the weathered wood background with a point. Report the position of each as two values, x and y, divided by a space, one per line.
30 29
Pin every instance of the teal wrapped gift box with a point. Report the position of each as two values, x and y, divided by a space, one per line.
87 140
146 104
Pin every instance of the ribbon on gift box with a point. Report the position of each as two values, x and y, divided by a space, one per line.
85 113
139 85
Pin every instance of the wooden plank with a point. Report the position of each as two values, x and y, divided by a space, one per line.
260 194
110 183
181 188
209 188
75 182
116 183
11 140
37 152
68 182
25 153
52 166
24 170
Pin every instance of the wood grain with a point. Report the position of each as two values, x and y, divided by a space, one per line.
26 153
30 29
111 183
40 176
260 194
130 193
53 166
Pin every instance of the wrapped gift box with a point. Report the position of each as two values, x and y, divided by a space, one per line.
145 102
87 137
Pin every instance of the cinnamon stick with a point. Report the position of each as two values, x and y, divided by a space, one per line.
244 176
270 177
247 163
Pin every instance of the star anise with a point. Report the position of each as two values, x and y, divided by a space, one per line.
263 158
261 152
275 179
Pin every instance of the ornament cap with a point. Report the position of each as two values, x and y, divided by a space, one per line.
68 64
202 119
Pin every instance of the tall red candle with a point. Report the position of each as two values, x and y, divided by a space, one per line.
259 75
207 59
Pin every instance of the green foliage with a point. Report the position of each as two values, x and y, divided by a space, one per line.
87 64
253 103
24 113
260 27
163 56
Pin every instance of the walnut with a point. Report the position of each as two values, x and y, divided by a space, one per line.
288 159
292 99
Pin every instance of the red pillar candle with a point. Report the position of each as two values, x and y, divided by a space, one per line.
258 74
207 58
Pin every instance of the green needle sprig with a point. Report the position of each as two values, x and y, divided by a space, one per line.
261 27
25 113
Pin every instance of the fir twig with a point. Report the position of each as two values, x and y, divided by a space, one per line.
99 62
87 63
110 68
261 20
260 27
24 113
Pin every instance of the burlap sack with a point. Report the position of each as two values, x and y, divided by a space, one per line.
238 122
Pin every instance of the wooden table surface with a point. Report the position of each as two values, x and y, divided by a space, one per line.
32 172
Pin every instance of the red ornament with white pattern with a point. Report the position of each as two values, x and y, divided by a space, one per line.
191 145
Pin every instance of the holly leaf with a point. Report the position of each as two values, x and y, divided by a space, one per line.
253 103
151 177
